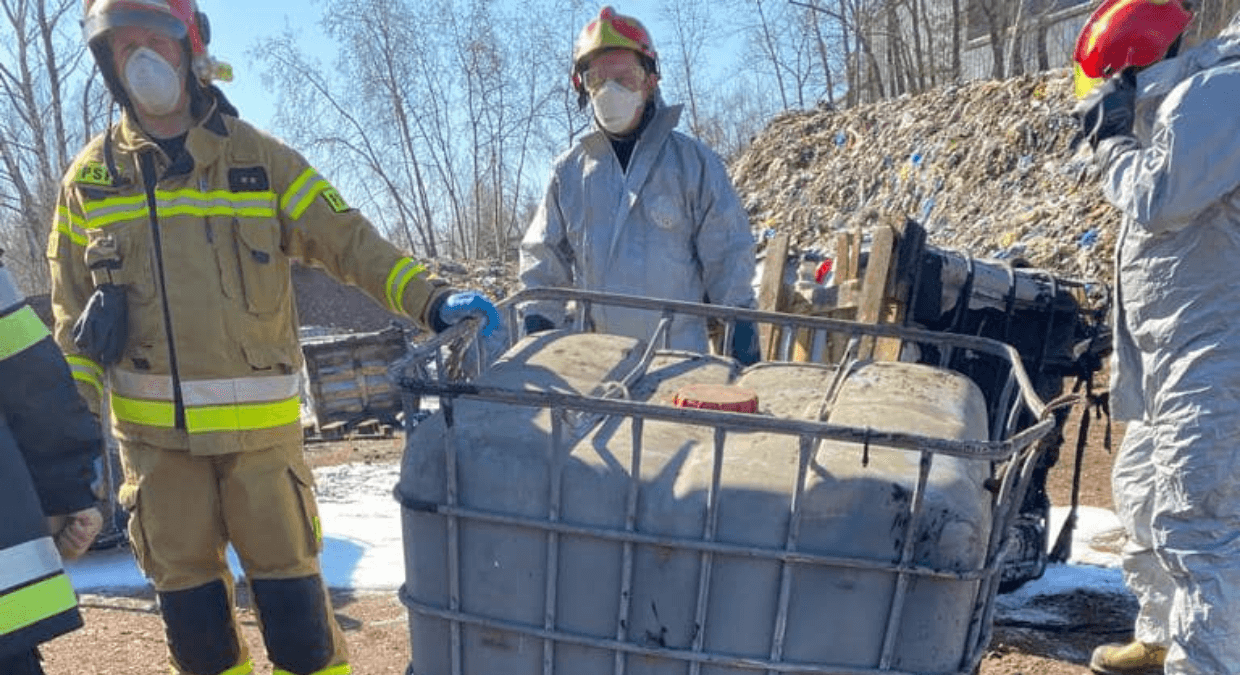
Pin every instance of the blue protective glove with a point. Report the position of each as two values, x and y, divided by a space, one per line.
745 346
467 304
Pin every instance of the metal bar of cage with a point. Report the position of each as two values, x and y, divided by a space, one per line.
1010 447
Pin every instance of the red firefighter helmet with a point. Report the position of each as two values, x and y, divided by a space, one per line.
609 31
1124 33
178 19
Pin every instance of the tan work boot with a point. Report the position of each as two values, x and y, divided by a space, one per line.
1134 658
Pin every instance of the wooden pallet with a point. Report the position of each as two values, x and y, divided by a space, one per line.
875 292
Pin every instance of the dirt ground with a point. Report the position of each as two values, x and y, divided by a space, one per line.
125 636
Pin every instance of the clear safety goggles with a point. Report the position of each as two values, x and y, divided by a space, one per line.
630 78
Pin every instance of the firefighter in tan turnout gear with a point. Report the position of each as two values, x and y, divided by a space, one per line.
170 258
48 443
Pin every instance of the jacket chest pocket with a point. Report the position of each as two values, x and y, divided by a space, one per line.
262 268
122 254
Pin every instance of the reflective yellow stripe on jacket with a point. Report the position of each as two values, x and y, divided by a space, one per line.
239 404
169 203
20 331
86 370
405 270
33 585
302 192
71 225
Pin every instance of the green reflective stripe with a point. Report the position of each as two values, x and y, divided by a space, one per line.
342 669
295 188
180 203
243 417
241 669
302 192
87 372
400 276
149 413
225 391
87 366
206 419
305 201
80 377
400 290
216 203
114 209
71 225
32 604
20 331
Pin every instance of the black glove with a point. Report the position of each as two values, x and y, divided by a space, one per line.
1109 110
535 323
745 343
103 327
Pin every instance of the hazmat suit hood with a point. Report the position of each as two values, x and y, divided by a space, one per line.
1155 82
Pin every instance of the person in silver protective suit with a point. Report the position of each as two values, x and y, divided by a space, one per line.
1169 155
635 207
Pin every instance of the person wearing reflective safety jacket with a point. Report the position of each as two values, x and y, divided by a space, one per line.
170 257
1167 145
48 444
636 207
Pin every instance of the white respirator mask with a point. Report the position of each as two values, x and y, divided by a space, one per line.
153 84
615 106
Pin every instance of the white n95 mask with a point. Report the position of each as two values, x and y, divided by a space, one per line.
152 82
615 106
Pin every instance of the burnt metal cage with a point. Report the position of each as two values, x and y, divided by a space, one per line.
463 630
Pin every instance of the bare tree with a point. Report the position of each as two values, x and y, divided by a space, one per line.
856 25
43 66
314 113
442 103
692 29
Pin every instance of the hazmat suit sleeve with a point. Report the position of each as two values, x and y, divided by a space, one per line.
1165 185
724 241
546 257
71 289
320 228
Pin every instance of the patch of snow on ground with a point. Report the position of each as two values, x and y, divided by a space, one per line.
363 548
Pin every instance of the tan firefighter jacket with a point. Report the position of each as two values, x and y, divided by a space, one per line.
203 247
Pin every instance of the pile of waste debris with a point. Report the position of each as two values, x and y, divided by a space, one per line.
987 167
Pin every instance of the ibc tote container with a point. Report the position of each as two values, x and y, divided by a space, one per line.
561 516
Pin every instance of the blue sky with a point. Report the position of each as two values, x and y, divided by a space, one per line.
237 24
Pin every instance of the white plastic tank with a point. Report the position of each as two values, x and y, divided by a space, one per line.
581 596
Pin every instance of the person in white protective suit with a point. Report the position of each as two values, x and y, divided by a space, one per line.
1168 149
635 207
